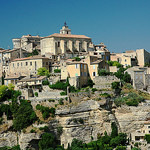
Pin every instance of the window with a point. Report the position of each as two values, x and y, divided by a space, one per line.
125 60
26 63
85 74
81 73
30 63
13 65
0 60
46 63
94 74
43 63
76 66
18 64
81 66
58 44
21 63
93 66
84 66
148 126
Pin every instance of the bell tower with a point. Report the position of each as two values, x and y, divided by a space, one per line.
65 29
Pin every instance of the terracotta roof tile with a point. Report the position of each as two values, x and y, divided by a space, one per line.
68 36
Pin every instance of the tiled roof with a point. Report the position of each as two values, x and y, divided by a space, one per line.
31 57
32 79
68 36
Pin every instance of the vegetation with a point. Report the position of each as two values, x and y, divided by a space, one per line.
131 100
114 63
35 52
61 101
43 72
147 138
46 111
36 94
106 95
10 148
77 58
104 72
45 82
24 116
63 93
60 85
90 83
57 70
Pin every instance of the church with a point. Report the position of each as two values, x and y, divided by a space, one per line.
64 42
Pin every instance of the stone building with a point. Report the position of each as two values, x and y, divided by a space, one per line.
64 42
140 77
101 51
139 57
27 42
29 65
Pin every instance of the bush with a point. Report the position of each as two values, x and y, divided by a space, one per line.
24 116
45 128
120 148
105 95
104 72
57 70
45 82
61 101
48 141
43 72
1 121
115 85
147 138
45 115
114 131
63 93
51 100
32 131
59 130
59 85
94 89
38 106
90 83
36 94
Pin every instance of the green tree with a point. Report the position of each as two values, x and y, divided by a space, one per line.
103 72
47 141
43 72
114 131
24 116
126 78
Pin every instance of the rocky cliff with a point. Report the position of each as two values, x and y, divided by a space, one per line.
84 120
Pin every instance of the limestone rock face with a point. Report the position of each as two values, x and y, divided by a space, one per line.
29 140
83 121
8 139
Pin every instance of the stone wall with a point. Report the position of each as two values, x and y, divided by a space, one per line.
104 82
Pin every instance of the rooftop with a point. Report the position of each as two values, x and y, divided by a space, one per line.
68 36
31 57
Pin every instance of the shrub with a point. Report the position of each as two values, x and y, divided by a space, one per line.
57 70
45 128
63 93
24 116
103 72
59 130
38 106
1 121
43 72
114 131
36 94
147 138
32 131
45 82
105 95
61 101
48 141
90 83
120 148
51 100
45 115
115 85
72 89
94 89
59 85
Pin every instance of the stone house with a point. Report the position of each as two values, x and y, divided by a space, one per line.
139 57
27 42
64 42
101 52
140 77
29 65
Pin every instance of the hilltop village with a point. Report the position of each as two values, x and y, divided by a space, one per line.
73 93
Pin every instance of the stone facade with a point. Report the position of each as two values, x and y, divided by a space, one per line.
104 82
27 42
65 42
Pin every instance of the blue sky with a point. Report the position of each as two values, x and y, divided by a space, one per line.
121 24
